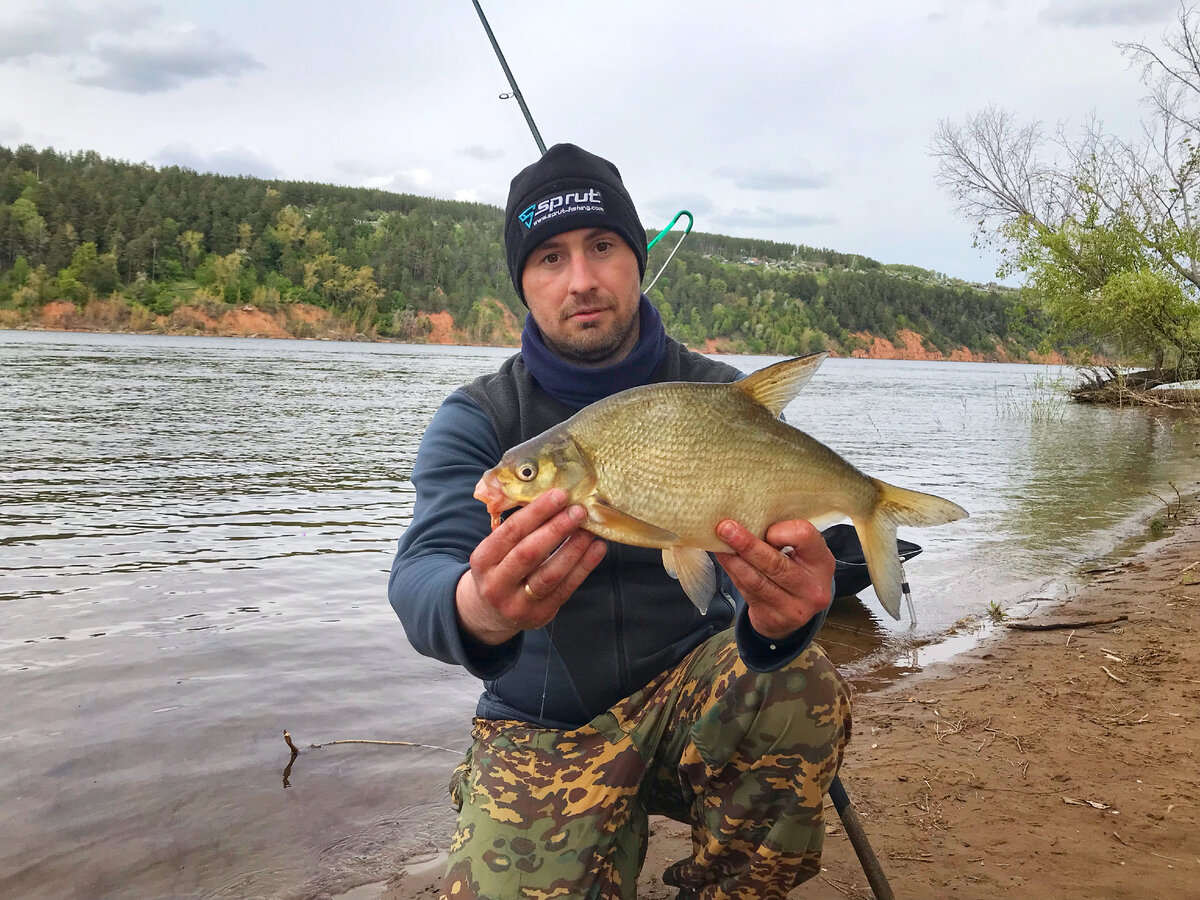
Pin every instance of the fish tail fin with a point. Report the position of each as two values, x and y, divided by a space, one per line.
897 506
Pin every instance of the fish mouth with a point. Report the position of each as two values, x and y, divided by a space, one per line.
490 491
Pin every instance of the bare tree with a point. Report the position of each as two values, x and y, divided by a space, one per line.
1164 169
994 170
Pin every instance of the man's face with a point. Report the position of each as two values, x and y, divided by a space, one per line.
582 288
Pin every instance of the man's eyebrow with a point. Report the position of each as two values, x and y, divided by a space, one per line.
548 244
556 241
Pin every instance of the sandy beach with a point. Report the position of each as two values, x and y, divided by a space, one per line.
1053 763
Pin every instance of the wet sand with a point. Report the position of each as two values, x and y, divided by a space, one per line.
1058 763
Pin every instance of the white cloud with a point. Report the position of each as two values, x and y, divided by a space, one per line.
480 152
126 49
657 212
66 29
406 181
165 63
11 131
800 177
767 217
1094 13
222 161
358 167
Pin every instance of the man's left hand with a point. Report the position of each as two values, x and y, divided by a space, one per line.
782 591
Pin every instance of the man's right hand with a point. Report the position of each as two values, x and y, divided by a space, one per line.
526 569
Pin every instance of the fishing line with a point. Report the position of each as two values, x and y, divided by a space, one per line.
486 72
546 678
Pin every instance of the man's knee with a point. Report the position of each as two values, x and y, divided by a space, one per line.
811 697
802 709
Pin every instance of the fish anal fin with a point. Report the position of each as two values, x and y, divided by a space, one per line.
696 574
631 529
776 386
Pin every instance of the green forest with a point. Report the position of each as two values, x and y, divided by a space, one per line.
84 229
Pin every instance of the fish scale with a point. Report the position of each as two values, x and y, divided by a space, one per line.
657 480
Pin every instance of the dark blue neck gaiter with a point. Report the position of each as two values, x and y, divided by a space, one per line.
577 386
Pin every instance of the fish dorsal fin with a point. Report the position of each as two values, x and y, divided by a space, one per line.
634 530
776 386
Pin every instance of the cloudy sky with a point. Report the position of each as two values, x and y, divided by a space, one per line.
798 121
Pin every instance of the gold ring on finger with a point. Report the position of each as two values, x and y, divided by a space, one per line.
529 592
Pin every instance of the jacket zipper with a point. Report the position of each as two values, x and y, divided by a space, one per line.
618 617
729 599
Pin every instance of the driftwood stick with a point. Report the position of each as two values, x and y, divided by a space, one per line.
287 738
1104 669
1054 626
287 770
386 743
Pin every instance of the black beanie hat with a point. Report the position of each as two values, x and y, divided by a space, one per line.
567 188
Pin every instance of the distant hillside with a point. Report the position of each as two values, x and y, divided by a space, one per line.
90 242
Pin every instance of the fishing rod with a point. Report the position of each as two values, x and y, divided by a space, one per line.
541 145
516 91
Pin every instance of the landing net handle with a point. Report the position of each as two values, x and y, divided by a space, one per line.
661 235
858 839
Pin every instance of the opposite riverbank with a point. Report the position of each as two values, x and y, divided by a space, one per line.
1059 763
305 321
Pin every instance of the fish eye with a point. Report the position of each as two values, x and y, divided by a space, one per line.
527 471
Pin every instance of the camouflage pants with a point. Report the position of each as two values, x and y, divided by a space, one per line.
744 757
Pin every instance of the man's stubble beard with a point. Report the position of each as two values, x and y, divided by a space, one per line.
594 345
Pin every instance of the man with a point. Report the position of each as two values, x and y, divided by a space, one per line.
608 697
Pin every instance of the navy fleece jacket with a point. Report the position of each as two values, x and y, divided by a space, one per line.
631 621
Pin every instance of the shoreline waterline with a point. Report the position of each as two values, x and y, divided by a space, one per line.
711 348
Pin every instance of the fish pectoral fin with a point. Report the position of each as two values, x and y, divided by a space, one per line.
639 532
695 571
776 386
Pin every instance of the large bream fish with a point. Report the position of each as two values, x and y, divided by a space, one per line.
660 465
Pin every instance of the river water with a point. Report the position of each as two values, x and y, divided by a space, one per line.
195 535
